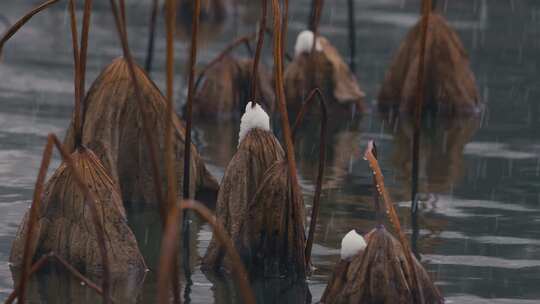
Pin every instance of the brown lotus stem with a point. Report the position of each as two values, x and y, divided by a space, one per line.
170 19
76 59
169 245
49 257
244 40
140 101
316 21
351 20
151 36
376 197
123 14
322 160
52 141
84 43
426 5
284 28
21 22
258 51
270 33
280 95
393 217
187 143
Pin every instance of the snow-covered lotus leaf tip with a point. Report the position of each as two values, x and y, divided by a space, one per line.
253 118
351 244
304 43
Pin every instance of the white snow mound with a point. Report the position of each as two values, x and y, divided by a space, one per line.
253 118
351 244
304 43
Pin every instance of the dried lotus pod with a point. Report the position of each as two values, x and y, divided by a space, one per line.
382 275
113 129
64 225
273 242
226 87
243 176
324 69
449 84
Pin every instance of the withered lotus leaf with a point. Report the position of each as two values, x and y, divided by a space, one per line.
243 176
226 89
65 227
382 275
326 70
449 83
113 129
273 236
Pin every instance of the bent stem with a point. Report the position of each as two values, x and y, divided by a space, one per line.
322 161
426 6
49 258
151 37
258 50
144 113
169 245
394 219
29 249
280 95
244 40
21 22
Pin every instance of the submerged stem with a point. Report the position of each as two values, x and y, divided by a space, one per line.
322 160
426 5
169 245
41 262
76 59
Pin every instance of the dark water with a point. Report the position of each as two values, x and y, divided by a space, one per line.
480 219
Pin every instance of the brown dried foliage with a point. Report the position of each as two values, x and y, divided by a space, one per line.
257 152
64 224
327 71
274 240
449 84
382 274
226 89
113 129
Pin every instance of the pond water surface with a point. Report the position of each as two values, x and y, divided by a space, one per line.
480 177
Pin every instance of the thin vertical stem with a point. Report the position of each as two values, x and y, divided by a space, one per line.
322 160
84 48
77 124
280 95
352 34
315 30
151 36
187 146
418 115
258 51
170 19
